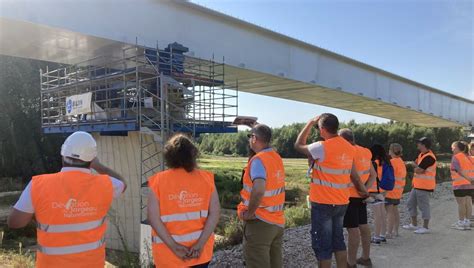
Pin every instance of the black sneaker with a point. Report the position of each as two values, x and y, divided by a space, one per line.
364 262
383 239
375 240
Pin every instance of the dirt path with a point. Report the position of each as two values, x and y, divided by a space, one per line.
444 247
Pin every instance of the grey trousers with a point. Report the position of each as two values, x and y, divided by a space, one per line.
419 199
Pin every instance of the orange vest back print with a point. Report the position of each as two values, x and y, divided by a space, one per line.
331 177
70 209
184 199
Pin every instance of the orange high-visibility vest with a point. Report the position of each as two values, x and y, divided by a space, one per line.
184 199
427 180
270 209
70 209
331 177
362 163
373 188
466 165
400 172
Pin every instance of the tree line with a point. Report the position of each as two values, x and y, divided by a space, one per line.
366 134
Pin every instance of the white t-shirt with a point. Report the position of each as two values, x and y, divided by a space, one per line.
316 150
26 205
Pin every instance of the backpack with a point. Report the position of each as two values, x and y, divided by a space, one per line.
387 182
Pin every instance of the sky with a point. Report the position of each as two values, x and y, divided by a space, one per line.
427 41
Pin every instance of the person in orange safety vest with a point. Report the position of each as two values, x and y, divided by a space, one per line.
183 208
263 198
70 207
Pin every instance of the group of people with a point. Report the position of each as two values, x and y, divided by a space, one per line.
183 205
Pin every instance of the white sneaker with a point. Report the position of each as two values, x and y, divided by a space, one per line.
422 230
467 224
459 225
410 227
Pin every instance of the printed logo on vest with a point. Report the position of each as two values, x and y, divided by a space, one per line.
345 159
73 208
279 176
186 199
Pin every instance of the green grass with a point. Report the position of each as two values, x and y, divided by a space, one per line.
228 173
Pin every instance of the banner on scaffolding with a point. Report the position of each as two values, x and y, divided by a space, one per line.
79 104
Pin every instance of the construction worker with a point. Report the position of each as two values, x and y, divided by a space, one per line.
70 207
355 219
379 158
424 183
183 208
462 175
392 198
263 198
333 169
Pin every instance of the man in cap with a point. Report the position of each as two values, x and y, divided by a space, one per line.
70 207
424 183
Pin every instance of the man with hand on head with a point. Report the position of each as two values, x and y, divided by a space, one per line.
333 174
70 207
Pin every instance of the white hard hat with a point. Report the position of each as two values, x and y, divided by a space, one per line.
80 145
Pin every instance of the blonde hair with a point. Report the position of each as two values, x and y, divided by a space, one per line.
396 149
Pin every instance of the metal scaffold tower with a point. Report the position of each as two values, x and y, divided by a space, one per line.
141 90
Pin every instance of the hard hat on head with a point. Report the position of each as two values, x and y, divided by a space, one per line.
80 145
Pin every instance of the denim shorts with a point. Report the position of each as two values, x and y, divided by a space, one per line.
326 229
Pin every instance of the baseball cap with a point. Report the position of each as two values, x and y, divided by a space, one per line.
425 141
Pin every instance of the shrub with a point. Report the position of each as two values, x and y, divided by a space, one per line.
233 231
297 216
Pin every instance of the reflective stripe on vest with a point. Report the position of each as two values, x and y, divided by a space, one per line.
267 193
331 184
332 171
185 216
399 187
425 177
180 238
363 172
71 249
76 227
271 209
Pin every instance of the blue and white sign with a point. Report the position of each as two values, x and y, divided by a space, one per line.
79 104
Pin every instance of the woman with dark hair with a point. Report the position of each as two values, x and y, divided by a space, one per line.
462 175
183 208
379 157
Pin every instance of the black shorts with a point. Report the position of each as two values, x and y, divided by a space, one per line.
390 201
464 192
356 213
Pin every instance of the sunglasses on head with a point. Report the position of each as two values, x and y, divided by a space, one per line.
250 135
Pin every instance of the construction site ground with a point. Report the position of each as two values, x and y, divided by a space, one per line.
443 247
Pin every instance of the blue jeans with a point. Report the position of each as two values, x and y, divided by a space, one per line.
326 229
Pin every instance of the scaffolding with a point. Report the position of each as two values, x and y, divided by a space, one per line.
154 92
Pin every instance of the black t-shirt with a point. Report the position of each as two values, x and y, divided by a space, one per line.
427 162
